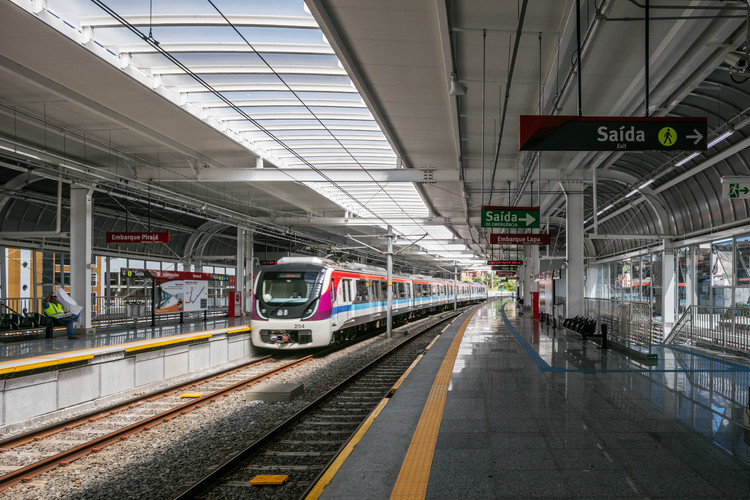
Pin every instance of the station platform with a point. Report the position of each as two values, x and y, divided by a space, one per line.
42 379
13 352
503 406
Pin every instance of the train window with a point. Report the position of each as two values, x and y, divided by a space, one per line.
346 284
287 287
383 289
407 290
361 294
401 287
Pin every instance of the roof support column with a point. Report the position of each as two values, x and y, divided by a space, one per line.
574 242
669 288
80 250
455 285
249 270
239 274
389 288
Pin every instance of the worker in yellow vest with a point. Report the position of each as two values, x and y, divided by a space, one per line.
53 309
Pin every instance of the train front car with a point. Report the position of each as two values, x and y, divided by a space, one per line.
292 306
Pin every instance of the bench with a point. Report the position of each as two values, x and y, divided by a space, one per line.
14 325
586 327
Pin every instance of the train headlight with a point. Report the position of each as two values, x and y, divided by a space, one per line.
310 310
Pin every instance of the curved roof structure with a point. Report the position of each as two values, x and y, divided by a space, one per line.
319 124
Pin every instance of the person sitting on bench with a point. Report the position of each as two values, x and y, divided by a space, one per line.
53 309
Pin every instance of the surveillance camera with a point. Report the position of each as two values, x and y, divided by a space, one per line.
737 61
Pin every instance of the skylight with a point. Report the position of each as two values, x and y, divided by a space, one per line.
262 73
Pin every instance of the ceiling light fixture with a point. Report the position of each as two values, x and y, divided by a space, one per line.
457 87
719 139
685 160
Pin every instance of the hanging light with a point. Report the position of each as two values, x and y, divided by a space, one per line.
457 87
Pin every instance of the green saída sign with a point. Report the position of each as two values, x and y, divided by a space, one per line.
510 217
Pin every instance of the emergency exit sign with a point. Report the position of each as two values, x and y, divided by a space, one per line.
510 217
735 187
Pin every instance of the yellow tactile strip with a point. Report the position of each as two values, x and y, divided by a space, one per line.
173 340
415 470
45 364
344 454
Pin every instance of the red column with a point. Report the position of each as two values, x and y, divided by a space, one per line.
535 305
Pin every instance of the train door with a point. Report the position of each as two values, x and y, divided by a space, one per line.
346 297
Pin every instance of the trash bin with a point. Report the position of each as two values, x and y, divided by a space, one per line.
135 309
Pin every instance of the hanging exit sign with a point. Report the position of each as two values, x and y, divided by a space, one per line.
510 217
612 133
735 187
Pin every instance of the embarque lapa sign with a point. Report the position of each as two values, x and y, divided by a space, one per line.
510 217
605 133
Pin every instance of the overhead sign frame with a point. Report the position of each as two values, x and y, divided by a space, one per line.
519 239
612 133
510 217
735 187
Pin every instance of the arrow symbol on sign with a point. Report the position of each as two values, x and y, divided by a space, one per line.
529 219
698 136
744 190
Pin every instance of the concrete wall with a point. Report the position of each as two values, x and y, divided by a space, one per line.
112 377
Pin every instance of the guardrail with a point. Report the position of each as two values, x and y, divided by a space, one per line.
726 328
112 311
628 322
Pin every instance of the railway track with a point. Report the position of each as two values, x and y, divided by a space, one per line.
298 451
24 457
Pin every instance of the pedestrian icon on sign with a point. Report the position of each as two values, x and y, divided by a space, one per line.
667 136
734 190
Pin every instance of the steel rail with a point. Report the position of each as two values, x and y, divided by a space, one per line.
205 483
64 458
99 413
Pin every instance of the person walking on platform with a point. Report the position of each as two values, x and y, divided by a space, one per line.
54 310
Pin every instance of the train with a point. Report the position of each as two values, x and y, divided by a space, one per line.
312 302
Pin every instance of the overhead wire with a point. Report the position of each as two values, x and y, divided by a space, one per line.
150 40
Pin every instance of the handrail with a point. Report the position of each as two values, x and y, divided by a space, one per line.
677 328
725 328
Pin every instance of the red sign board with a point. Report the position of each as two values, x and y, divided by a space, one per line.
504 262
268 262
161 237
519 239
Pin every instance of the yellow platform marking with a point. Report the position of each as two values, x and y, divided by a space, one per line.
42 364
266 480
191 394
326 479
242 329
406 374
415 470
180 340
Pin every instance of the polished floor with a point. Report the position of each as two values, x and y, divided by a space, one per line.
533 412
33 347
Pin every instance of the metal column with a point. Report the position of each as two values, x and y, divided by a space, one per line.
574 240
389 288
239 275
80 250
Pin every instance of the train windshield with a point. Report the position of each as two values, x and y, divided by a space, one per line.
288 287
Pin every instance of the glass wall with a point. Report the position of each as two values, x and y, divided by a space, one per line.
710 274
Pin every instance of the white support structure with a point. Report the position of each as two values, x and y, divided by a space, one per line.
240 282
574 241
669 288
389 287
81 250
455 285
249 276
